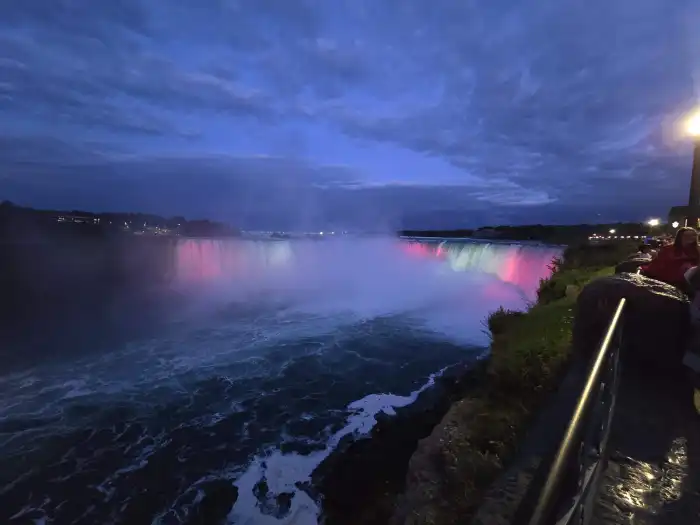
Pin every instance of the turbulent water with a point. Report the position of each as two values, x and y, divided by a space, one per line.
263 355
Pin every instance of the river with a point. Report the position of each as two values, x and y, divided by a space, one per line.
250 365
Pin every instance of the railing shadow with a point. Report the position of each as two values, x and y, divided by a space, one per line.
565 486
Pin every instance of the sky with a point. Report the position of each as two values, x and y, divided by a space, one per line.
301 114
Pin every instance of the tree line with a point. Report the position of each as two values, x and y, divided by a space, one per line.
18 222
563 234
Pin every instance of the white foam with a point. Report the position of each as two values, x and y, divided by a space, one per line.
282 472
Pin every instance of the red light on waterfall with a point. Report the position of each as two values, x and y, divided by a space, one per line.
520 266
526 268
425 250
509 271
415 248
201 260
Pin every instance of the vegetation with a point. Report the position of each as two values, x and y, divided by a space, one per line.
554 234
17 222
529 351
579 264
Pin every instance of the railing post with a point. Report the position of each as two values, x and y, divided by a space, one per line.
565 484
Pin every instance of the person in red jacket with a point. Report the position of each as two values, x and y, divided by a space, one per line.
675 259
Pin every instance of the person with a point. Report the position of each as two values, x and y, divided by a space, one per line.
643 253
692 277
691 358
674 260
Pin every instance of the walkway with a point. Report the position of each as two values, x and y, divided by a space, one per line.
653 477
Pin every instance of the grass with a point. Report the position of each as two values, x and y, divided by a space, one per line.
529 352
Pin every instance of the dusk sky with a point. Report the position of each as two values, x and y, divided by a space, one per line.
349 113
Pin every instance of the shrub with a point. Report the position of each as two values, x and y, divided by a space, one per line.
578 265
498 320
596 255
531 351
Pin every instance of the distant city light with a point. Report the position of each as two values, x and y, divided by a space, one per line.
653 222
692 125
612 231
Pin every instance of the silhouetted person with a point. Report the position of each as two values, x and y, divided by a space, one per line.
691 358
643 253
674 260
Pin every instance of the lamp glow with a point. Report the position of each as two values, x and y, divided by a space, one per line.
675 224
653 222
692 126
612 231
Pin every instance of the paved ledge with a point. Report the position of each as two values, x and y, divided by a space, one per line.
504 496
653 475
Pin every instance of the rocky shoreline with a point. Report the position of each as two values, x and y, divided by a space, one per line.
361 481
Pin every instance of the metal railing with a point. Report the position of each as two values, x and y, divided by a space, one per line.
565 485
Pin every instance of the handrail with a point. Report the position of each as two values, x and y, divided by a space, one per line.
545 502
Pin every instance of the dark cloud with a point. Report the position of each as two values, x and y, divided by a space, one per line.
16 150
546 107
253 192
97 20
120 94
543 92
115 65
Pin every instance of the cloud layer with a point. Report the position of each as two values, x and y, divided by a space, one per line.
296 113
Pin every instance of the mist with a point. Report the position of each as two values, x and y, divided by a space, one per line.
359 279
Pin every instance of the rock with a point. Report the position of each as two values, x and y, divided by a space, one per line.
271 504
630 266
218 500
360 481
656 319
571 291
443 473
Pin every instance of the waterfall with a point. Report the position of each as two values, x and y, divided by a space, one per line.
522 265
211 259
200 260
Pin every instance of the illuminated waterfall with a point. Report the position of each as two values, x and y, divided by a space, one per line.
521 265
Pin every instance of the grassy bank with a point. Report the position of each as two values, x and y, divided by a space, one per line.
529 351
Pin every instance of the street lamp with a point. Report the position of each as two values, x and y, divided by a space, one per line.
675 224
692 127
612 231
652 223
